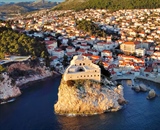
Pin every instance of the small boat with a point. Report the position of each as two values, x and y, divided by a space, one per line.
11 100
8 101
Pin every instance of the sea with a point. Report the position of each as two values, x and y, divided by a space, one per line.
34 110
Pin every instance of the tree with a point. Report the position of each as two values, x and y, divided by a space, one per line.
65 60
20 44
2 69
103 70
43 55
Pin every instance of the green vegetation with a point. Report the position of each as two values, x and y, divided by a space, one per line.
2 69
90 27
109 4
15 43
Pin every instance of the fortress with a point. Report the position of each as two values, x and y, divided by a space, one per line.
81 67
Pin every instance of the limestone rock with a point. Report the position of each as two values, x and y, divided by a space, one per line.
151 94
136 88
87 97
8 89
143 87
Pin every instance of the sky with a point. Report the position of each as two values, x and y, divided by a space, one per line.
7 1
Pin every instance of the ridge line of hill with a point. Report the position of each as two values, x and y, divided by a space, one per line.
107 4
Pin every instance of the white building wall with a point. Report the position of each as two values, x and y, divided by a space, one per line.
99 47
90 70
59 54
140 52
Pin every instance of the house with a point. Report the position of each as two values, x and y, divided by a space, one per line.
94 52
52 43
81 67
147 45
83 46
70 49
103 45
54 61
58 52
106 53
130 47
99 46
140 52
81 51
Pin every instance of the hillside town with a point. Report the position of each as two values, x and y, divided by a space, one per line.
136 52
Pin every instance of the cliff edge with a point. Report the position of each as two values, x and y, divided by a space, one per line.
88 97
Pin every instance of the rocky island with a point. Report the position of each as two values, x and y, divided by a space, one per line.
80 93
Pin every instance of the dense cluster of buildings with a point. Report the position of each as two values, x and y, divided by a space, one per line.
139 43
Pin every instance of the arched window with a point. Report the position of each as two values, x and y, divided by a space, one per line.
80 64
83 63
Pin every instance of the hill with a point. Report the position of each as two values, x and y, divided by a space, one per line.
24 7
108 4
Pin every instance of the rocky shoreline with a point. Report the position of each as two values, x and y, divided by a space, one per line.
88 97
10 90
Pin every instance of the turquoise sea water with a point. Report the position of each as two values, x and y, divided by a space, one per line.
33 110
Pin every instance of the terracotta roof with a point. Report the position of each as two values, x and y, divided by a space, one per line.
105 64
50 41
69 47
148 69
95 57
132 43
106 51
54 57
58 50
71 53
81 50
87 54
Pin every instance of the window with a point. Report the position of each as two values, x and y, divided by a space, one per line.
80 64
83 63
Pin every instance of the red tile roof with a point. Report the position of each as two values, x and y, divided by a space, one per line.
148 69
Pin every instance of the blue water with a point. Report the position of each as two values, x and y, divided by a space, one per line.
33 110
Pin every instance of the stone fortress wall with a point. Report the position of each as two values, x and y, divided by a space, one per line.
81 67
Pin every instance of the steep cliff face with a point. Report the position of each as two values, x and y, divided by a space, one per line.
20 74
87 97
8 89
